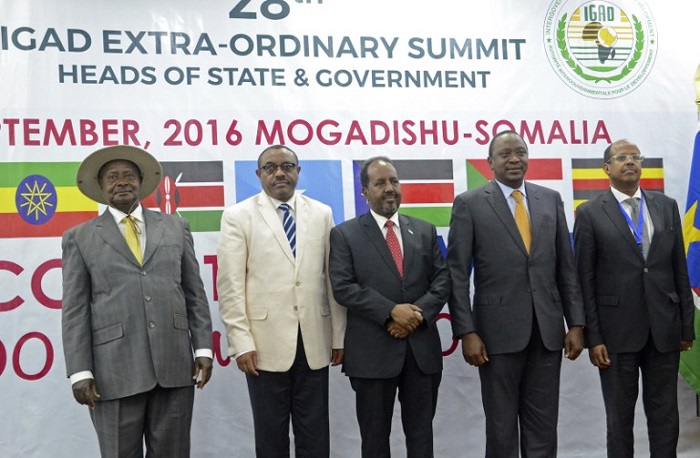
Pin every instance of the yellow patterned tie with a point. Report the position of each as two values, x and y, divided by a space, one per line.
131 231
522 220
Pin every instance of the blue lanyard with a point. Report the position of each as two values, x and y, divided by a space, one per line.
637 231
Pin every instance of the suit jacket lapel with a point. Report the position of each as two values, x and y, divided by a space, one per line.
495 198
656 215
154 232
301 217
112 236
377 238
272 219
535 212
408 241
612 209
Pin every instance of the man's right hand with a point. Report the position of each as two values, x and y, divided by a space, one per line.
85 392
248 363
599 356
474 350
407 316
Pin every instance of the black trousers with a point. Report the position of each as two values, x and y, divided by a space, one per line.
299 393
620 386
375 407
520 392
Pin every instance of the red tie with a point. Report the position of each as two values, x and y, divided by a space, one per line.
393 242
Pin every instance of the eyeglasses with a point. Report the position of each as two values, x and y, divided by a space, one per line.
270 168
624 157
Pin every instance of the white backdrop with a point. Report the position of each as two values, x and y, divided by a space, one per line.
331 74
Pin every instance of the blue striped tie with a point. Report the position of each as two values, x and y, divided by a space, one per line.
290 227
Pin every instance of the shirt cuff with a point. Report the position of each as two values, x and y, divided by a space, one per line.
237 355
204 352
82 375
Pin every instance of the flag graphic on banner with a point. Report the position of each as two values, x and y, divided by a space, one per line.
41 199
319 179
545 172
193 190
427 186
589 179
690 360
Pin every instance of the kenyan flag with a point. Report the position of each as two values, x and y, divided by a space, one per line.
193 190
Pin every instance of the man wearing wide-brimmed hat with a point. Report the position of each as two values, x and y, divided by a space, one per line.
134 311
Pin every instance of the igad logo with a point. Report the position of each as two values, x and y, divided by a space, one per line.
600 49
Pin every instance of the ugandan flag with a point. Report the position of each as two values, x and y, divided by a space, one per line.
545 172
192 190
427 187
41 199
589 179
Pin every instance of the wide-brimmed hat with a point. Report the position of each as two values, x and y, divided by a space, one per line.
87 180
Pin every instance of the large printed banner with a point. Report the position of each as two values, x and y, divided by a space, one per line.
205 86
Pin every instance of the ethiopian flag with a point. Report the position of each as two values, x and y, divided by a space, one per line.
41 199
690 360
427 186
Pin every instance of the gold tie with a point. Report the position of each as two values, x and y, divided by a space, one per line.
522 220
131 231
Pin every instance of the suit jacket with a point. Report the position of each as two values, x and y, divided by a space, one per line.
266 293
366 281
133 326
626 296
511 288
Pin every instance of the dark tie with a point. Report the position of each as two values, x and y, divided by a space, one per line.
393 242
633 202
522 220
290 227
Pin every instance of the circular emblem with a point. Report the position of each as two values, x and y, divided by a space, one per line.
36 199
600 49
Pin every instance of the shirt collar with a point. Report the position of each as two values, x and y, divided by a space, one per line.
621 196
119 215
291 202
507 190
381 220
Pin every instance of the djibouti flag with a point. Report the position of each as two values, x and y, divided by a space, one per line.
41 199
427 186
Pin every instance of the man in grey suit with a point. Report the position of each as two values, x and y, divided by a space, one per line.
639 307
134 311
514 236
388 270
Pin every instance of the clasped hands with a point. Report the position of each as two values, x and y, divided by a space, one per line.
405 318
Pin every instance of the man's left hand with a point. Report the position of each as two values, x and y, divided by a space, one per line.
202 367
337 356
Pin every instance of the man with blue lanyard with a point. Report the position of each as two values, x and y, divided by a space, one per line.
639 309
